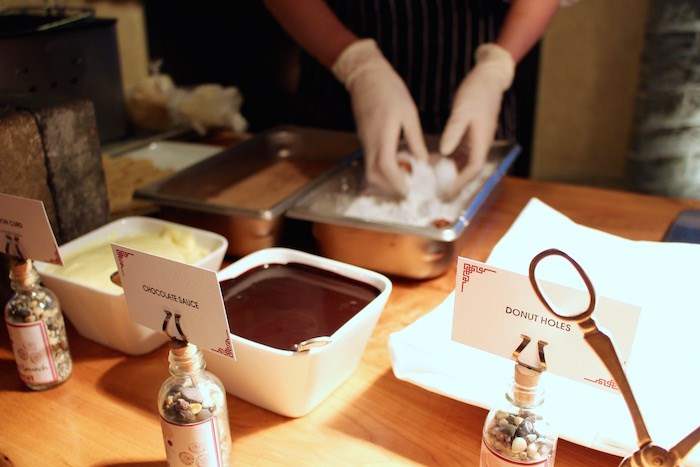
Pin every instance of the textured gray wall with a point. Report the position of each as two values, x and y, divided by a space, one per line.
665 148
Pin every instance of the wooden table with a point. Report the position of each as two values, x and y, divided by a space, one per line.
105 414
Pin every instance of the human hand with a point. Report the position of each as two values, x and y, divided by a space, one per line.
470 130
383 109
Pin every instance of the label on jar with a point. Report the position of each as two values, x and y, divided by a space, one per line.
489 458
198 444
30 344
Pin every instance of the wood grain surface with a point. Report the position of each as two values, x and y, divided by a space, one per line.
105 414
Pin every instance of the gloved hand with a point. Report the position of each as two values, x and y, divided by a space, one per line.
474 118
383 108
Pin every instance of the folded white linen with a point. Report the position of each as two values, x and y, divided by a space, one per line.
663 371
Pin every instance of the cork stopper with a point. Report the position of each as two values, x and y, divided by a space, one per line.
183 350
526 381
23 272
187 357
525 376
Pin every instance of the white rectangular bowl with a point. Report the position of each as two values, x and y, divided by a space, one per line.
102 315
294 383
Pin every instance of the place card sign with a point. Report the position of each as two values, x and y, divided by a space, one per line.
494 308
25 230
156 287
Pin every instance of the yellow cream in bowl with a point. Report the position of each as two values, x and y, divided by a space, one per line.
94 264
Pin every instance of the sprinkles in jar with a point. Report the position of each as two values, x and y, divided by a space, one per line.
517 433
193 411
37 330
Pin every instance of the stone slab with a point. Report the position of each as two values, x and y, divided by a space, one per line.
60 152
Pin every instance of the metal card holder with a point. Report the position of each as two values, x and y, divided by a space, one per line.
647 454
174 341
12 241
540 353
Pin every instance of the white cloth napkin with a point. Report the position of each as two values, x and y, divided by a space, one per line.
663 369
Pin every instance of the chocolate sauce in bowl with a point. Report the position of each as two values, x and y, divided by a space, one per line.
280 305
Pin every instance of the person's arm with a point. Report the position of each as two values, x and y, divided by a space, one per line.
382 105
524 25
314 26
473 121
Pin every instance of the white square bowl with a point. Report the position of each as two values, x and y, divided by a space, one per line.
102 315
294 383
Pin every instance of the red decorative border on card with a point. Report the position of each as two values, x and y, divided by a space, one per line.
468 269
121 255
227 350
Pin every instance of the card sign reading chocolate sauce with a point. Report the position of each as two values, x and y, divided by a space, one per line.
494 308
155 286
25 231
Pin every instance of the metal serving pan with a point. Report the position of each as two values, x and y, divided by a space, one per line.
243 192
419 252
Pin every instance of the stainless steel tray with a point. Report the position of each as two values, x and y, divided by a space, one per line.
243 192
419 252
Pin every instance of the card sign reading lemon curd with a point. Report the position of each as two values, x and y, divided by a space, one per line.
183 300
26 231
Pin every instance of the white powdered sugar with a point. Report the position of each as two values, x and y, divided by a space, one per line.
423 205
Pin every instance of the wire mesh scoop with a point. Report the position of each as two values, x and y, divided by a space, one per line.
647 454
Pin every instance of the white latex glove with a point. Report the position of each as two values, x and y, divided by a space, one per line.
383 109
471 128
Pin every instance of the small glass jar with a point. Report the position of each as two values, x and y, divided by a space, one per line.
37 330
517 432
193 411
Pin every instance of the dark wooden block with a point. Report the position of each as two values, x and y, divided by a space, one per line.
56 147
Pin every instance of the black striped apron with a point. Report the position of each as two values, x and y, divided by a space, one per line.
431 45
